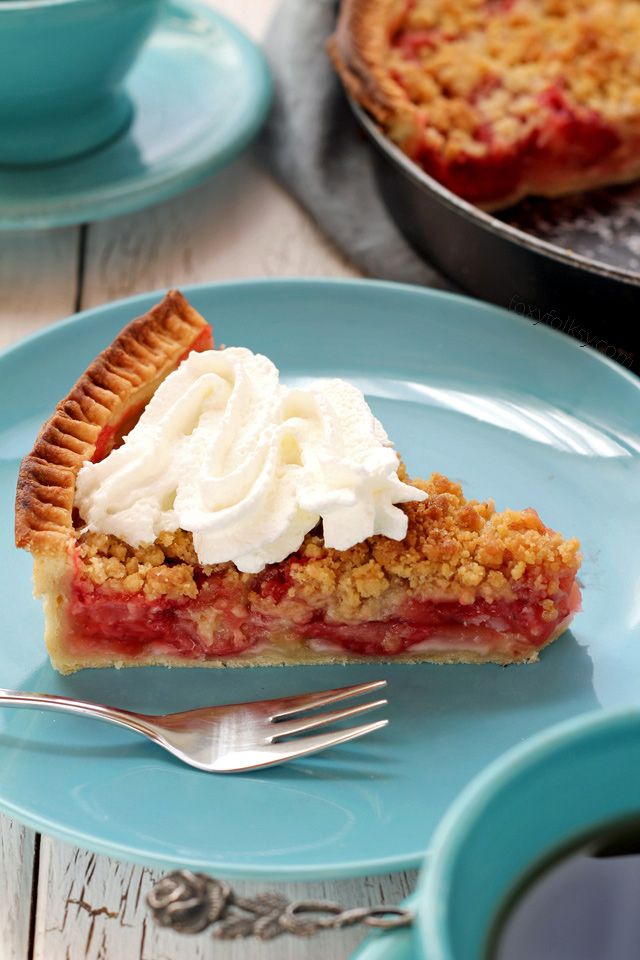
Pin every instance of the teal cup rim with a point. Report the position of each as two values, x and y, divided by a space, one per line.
462 823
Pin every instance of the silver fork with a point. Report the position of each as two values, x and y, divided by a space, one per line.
240 736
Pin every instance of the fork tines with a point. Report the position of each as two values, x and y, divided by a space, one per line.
290 705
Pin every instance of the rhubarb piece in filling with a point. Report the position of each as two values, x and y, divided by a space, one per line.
498 99
465 583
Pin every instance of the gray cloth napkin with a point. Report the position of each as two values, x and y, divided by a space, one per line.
314 146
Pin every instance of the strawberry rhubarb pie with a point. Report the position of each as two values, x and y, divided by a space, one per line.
184 507
498 99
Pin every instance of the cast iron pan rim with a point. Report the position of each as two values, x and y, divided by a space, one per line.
469 212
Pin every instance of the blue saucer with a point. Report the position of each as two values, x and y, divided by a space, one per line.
200 91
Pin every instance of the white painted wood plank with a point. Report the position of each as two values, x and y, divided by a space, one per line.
92 908
16 876
251 15
38 280
238 224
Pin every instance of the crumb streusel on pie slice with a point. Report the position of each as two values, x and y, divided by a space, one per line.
466 583
498 99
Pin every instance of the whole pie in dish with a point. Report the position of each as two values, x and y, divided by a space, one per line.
447 580
497 99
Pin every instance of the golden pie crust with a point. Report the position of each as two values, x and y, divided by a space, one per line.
124 376
455 552
499 99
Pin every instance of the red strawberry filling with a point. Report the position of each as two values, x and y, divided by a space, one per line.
552 134
568 139
224 623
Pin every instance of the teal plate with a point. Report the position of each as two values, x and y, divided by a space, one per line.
512 410
200 92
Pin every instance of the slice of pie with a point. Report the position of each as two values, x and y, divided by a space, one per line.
447 580
497 99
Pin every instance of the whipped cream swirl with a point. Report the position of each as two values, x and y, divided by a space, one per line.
248 465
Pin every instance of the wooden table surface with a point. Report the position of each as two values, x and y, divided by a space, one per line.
60 902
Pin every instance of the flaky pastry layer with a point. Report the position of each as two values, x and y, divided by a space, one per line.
119 382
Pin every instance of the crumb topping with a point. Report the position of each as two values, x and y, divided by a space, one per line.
454 551
495 72
107 561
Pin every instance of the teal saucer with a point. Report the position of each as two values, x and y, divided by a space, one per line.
200 91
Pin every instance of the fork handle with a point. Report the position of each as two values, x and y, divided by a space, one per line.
99 711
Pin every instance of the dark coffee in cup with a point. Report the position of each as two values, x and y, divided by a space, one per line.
582 904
